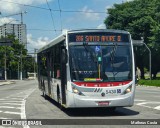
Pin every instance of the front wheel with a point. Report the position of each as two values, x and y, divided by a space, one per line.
59 101
44 95
112 109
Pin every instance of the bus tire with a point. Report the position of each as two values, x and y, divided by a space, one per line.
44 95
59 98
112 109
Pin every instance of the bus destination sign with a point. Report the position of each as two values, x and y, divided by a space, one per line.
94 38
99 37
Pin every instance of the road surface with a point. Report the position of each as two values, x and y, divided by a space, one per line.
23 100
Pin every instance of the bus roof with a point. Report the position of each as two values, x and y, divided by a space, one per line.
98 30
62 37
53 42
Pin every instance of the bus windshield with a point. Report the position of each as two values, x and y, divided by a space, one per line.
100 63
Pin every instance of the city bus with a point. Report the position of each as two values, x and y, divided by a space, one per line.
88 68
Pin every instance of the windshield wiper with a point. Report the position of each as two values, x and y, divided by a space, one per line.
112 56
94 58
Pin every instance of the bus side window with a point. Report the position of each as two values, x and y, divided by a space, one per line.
57 62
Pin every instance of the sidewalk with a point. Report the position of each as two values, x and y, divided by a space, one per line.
7 82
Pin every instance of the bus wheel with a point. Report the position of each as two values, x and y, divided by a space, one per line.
112 109
59 100
44 94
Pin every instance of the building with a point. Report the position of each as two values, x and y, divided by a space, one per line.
19 30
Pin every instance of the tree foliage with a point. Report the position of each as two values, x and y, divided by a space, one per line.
142 19
13 57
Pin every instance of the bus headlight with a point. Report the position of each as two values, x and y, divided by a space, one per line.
76 91
128 90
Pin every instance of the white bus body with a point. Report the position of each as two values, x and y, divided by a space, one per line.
88 68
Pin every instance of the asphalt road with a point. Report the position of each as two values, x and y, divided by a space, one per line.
23 100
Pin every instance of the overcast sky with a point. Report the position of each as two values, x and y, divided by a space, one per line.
43 16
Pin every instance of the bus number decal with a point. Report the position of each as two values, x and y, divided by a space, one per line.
115 91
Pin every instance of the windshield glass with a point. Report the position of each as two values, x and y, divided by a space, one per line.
100 63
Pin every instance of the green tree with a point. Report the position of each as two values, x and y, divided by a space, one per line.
141 19
13 57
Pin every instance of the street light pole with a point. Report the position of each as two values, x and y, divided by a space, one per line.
21 66
35 51
149 60
141 42
5 65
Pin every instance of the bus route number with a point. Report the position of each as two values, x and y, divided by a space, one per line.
111 91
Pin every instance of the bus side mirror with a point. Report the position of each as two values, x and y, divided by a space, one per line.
64 56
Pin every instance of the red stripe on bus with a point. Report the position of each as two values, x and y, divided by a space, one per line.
98 84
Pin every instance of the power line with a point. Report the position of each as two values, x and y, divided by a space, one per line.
58 10
37 29
51 15
60 13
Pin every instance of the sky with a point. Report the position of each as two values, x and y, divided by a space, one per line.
46 19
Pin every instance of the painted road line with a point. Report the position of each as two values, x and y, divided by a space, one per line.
4 118
1 111
8 112
15 98
10 107
148 103
138 100
143 104
6 127
158 108
11 103
2 99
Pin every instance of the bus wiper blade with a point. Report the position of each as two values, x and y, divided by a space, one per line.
112 56
94 58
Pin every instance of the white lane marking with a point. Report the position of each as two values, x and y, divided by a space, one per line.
158 108
143 104
6 127
4 118
21 96
23 112
11 103
16 113
148 103
10 107
2 99
139 100
15 98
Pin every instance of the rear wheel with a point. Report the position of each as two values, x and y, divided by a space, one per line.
44 95
112 109
59 99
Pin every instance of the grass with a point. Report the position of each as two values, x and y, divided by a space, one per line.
150 82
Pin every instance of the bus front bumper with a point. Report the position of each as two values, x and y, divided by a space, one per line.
87 101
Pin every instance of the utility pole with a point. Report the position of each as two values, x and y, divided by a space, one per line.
5 65
35 51
150 64
140 43
22 16
21 66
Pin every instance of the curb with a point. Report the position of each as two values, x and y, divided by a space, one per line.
7 83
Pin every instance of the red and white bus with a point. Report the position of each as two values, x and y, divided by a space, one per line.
88 68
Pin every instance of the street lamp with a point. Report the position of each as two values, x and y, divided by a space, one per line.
139 43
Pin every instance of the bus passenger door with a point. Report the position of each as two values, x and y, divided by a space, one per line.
49 72
63 74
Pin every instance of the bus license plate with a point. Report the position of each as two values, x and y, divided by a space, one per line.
115 91
103 103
